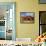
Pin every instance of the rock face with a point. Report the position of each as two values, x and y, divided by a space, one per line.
27 19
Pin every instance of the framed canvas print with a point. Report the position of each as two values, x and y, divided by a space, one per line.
42 1
7 20
27 17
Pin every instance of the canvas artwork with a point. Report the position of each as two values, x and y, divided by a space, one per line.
27 17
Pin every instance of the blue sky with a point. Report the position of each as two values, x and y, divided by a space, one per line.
26 14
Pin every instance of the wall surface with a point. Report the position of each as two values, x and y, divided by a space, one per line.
27 30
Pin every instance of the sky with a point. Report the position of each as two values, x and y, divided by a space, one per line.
27 14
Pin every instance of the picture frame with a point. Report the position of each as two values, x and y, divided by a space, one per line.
27 17
42 1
